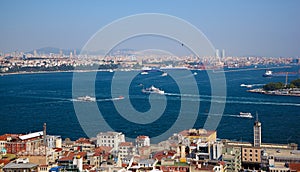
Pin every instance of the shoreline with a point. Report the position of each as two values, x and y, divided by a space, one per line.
261 91
58 71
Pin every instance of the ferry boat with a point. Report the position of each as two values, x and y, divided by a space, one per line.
245 115
86 99
164 74
153 89
268 73
245 85
144 73
118 98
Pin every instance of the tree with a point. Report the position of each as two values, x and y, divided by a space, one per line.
273 86
296 83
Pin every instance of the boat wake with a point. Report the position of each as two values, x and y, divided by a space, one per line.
98 100
230 100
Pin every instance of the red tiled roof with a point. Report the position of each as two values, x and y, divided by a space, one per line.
87 167
125 144
164 154
83 140
66 158
142 137
4 161
5 136
294 167
57 149
70 155
222 163
103 148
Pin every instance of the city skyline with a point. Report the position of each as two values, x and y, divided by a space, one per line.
255 28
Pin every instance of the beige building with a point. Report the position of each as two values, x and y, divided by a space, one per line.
126 149
111 139
251 154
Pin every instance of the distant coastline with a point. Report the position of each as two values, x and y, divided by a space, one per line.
285 92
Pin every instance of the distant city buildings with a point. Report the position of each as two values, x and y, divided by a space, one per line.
127 60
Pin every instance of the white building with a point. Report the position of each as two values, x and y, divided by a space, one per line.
111 139
126 149
54 141
142 141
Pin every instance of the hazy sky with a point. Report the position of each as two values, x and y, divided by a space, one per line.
253 27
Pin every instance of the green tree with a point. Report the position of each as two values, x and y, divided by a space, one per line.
273 86
296 83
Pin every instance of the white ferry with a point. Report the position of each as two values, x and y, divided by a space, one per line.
268 73
164 74
144 73
245 115
153 89
86 99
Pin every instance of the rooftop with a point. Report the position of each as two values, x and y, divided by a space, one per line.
125 144
31 135
14 165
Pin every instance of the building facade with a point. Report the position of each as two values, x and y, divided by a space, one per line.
111 139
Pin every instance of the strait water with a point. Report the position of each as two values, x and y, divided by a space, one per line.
29 100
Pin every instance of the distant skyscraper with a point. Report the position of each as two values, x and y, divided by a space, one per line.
223 54
60 53
217 53
34 53
75 52
257 132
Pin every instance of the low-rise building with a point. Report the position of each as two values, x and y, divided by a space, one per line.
142 141
232 158
20 165
111 139
126 149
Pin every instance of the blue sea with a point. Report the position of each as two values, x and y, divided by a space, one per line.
29 100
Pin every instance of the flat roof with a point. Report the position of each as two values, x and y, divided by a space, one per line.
19 165
31 135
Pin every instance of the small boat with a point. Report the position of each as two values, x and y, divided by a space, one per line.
245 85
195 73
118 98
164 74
86 99
245 115
144 73
268 73
153 89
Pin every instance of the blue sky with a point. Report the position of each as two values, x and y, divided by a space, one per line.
264 28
